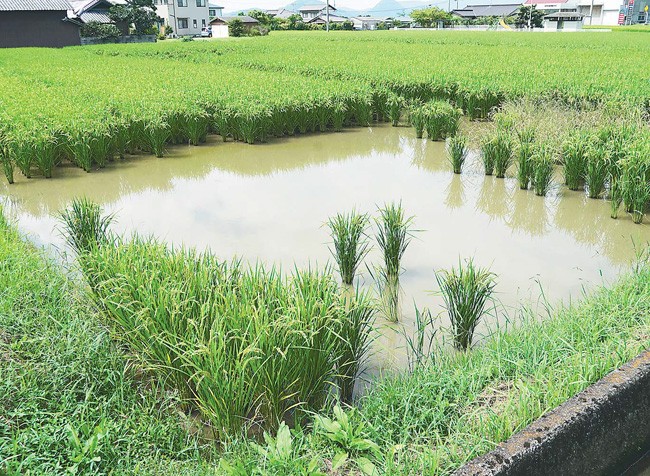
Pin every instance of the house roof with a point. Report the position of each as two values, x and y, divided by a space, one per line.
476 11
545 2
243 18
368 19
281 13
212 5
322 18
34 5
315 8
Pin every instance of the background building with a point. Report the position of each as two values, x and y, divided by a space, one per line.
186 17
37 23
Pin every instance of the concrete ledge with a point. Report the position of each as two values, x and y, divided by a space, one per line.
600 431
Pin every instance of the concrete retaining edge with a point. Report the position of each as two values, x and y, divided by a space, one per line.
600 431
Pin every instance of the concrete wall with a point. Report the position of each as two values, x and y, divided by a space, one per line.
45 28
601 431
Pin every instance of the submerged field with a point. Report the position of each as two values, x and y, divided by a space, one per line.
205 352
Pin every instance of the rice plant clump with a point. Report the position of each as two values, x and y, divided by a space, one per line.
350 242
503 153
85 226
598 166
466 291
524 154
246 347
394 233
457 149
574 156
543 165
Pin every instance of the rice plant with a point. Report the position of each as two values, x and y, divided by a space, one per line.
457 150
85 226
503 153
6 162
465 291
597 170
350 243
574 156
157 134
394 233
442 120
615 197
418 120
395 105
543 165
355 340
488 154
244 346
524 154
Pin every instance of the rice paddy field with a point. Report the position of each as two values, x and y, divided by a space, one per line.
309 253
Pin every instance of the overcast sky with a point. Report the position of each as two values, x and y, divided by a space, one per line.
244 4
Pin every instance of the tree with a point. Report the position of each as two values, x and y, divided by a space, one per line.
139 13
95 29
347 25
264 18
236 27
426 17
529 17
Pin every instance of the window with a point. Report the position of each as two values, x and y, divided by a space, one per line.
182 23
200 3
203 22
194 23
182 3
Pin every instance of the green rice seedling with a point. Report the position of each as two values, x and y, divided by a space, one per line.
457 150
46 151
355 336
85 226
350 243
465 291
157 134
102 146
574 156
395 105
503 153
597 170
640 197
23 156
634 182
394 233
363 111
418 120
7 164
488 154
543 164
197 124
339 114
81 150
615 197
524 154
442 120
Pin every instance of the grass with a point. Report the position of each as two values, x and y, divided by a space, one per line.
466 291
350 243
70 400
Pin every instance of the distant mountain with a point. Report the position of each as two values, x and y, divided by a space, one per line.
388 8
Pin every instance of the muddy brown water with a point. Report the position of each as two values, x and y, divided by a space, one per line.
269 202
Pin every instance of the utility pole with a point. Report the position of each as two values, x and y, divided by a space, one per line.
591 12
327 15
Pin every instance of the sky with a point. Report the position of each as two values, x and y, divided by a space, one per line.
231 5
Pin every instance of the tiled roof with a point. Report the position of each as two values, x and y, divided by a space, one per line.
34 5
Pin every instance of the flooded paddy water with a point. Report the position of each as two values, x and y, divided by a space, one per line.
269 202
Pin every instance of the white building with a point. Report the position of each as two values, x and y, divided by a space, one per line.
186 17
600 12
309 12
366 23
215 10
